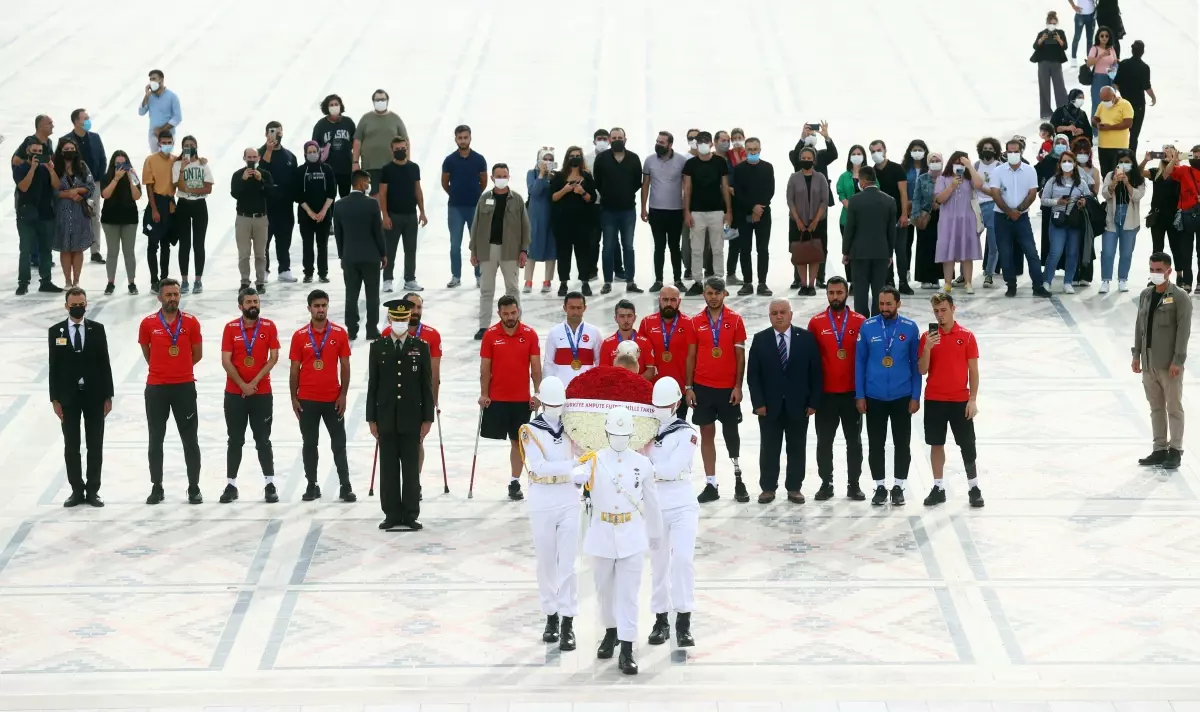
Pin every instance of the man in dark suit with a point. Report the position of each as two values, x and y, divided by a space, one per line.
358 231
869 240
784 372
400 412
81 384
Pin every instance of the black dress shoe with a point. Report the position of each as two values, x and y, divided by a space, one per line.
194 496
562 289
586 290
937 496
661 631
311 492
514 491
656 287
76 499
156 495
763 291
270 494
975 497
1154 459
854 492
229 494
550 635
825 492
94 500
414 525
387 524
632 288
746 290
479 334
96 258
346 494
739 491
683 630
607 645
906 290
566 634
881 496
1042 292
897 496
708 494
695 290
625 662
1173 459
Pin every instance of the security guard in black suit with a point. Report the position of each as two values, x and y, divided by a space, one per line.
400 413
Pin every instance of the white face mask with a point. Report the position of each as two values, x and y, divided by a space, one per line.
1067 166
501 183
739 144
1157 278
1127 167
1014 158
381 106
400 328
856 160
335 110
619 443
666 415
1083 160
1079 102
1106 104
935 168
155 86
917 155
601 146
553 412
877 157
704 149
692 144
1051 27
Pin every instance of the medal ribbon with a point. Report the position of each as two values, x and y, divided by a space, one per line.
716 328
839 336
249 340
668 333
312 340
573 339
178 327
417 333
888 340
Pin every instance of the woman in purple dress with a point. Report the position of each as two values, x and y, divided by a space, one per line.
958 234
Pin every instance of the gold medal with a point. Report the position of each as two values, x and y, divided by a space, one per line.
716 353
173 351
249 361
888 361
841 354
318 365
666 357
576 364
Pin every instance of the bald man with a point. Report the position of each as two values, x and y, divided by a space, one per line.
672 337
1113 119
249 188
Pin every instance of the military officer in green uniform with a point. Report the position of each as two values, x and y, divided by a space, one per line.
400 413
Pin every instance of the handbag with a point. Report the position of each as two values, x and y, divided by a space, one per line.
1086 74
1066 215
922 220
807 251
979 226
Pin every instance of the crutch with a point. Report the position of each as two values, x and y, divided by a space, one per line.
475 457
442 447
374 464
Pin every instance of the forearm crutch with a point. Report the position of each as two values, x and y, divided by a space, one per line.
475 457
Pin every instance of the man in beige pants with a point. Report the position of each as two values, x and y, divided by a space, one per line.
250 188
499 241
1160 341
707 208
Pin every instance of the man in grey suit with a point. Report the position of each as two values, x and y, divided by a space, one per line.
1160 341
358 232
869 240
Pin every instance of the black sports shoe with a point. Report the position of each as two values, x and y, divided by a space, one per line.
22 289
825 492
937 496
194 496
133 288
1011 291
514 491
746 289
1173 459
854 492
897 496
656 287
346 494
763 291
680 286
49 288
1154 459
880 497
632 288
708 494
269 493
585 290
110 288
739 491
695 290
479 334
156 495
154 286
976 497
308 279
562 289
606 288
1040 291
311 492
550 634
229 494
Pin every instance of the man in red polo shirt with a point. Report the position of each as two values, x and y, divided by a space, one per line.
836 331
715 372
510 351
172 346
249 350
672 338
626 315
950 357
320 353
433 339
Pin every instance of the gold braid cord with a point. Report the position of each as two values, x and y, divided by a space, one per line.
589 457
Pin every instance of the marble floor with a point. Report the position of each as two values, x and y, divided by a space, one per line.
1074 590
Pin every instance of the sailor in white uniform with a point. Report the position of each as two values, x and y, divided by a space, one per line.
626 521
672 568
553 507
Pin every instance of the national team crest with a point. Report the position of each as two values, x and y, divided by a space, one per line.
693 439
586 338
902 337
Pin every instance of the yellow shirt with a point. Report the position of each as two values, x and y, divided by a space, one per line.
1120 111
156 173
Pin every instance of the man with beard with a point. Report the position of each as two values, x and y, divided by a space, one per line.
509 352
172 346
249 350
836 330
430 336
673 340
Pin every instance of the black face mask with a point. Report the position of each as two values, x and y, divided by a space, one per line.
1194 164
400 154
77 312
987 155
618 145
805 165
251 313
660 151
574 161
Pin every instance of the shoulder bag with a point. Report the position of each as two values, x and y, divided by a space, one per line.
807 250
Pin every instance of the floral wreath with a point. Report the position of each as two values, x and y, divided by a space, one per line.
592 394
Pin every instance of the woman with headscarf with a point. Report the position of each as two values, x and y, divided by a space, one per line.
541 236
1070 118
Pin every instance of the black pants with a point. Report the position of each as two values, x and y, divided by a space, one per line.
849 268
280 223
839 409
399 477
312 413
683 409
869 277
255 410
773 431
91 410
666 226
403 227
903 254
343 185
191 222
1181 246
879 413
158 242
314 236
749 233
179 400
1108 160
361 276
1139 115
594 238
572 237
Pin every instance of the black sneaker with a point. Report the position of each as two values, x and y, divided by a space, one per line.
323 279
269 493
154 286
194 496
1041 291
821 284
110 288
1173 459
976 497
987 281
346 494
687 275
906 290
854 492
695 290
1154 459
261 288
49 287
739 491
763 291
656 287
746 289
156 495
308 279
133 289
562 289
1011 290
22 289
632 288
96 258
708 494
311 492
795 284
606 288
825 492
937 496
680 286
479 334
229 494
880 497
897 496
586 290
514 491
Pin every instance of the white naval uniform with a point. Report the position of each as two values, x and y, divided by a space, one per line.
672 566
553 509
622 484
556 359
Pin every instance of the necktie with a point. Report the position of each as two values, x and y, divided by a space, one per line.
78 339
783 355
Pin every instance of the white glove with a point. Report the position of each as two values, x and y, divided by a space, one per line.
655 542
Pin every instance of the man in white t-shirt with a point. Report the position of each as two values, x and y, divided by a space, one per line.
1085 19
573 346
1014 188
193 179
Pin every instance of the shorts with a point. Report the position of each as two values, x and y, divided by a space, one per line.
712 404
939 414
503 419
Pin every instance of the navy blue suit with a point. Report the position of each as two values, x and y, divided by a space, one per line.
787 392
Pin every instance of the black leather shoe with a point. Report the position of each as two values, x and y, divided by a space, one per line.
708 494
976 497
825 492
97 259
194 496
346 494
550 635
514 491
586 290
1154 459
562 289
311 492
763 291
661 631
76 499
656 287
229 494
739 491
683 630
270 494
626 662
156 495
854 492
695 290
897 496
414 525
566 634
479 334
94 500
1173 459
937 496
746 289
607 645
906 290
387 524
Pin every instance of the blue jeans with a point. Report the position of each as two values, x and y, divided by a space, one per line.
1017 234
1122 237
34 238
991 255
1083 21
616 224
1068 238
458 217
1099 81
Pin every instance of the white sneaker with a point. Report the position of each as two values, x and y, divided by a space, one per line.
413 287
970 287
1104 287
1068 289
387 285
1123 286
285 277
453 283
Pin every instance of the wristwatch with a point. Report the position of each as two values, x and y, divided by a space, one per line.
687 388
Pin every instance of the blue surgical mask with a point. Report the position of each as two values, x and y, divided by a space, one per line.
1059 149
87 124
166 148
752 157
1112 73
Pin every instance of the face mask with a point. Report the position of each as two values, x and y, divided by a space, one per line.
1194 164
155 86
917 155
1084 159
1108 104
959 170
400 154
1157 278
704 149
1078 103
601 146
856 160
1127 167
618 145
692 144
335 110
935 167
752 157
165 148
723 145
1067 166
810 140
877 157
1059 149
381 106
1014 158
666 415
77 312
619 443
399 328
660 151
312 157
251 313
739 144
69 155
553 412
87 125
1051 27
574 161
987 155
501 183
806 165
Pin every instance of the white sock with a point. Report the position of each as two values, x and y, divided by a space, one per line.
711 479
232 482
270 479
972 482
880 484
939 484
902 484
516 478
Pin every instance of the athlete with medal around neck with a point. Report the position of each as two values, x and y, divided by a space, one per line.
573 346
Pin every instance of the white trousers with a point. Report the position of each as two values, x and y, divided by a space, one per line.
672 566
617 584
555 539
709 230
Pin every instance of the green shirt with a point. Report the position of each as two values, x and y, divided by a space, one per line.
845 191
374 134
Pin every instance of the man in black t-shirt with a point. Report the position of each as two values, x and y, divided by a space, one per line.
707 206
893 181
403 206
